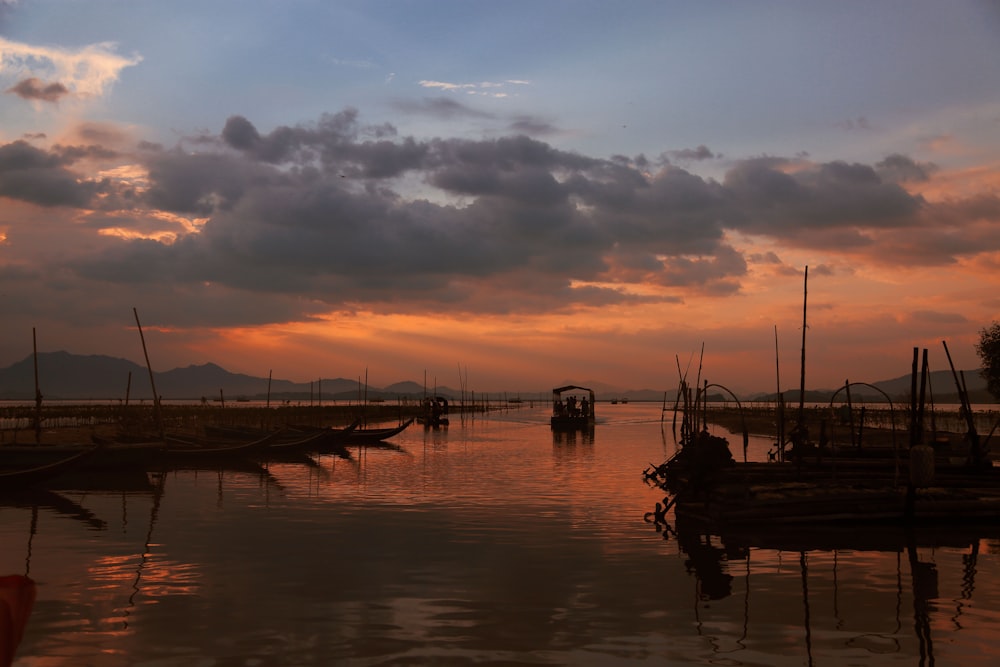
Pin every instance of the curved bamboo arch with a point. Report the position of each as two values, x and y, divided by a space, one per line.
892 414
743 419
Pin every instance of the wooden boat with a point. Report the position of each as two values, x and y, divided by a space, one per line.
297 450
366 436
179 451
109 456
705 485
12 479
234 433
435 412
572 415
327 440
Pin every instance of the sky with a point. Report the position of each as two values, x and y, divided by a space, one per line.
506 195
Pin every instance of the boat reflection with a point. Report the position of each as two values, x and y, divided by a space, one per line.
570 438
56 503
866 566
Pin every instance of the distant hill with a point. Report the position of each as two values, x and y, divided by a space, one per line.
67 376
941 389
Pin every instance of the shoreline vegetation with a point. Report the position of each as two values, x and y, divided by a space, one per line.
75 423
71 422
762 420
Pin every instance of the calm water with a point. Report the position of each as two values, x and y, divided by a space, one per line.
487 543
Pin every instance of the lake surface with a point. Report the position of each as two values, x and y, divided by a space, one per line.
491 542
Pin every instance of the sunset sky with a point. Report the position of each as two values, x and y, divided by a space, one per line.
517 193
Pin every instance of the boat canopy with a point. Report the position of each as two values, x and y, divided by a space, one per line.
572 413
559 390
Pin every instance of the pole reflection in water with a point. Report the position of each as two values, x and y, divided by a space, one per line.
489 542
925 590
861 552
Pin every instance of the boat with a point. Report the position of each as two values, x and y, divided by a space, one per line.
181 450
435 412
301 447
572 414
327 440
706 486
20 478
109 456
367 436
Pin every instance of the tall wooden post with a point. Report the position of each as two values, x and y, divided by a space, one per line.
268 403
975 451
38 393
802 374
152 382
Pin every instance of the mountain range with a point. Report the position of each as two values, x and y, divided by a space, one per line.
66 376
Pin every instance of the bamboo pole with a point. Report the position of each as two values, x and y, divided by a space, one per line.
38 393
779 402
963 397
152 382
128 391
923 398
913 398
850 415
802 373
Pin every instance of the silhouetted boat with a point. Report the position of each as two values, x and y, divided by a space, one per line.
110 455
364 436
179 451
572 414
19 478
328 440
435 412
707 486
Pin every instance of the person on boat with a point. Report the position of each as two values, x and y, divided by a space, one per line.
585 407
571 408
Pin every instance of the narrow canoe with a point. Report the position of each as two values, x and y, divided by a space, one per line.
21 478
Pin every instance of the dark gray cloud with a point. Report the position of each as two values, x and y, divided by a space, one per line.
34 89
40 177
341 213
780 197
445 108
532 126
901 169
702 152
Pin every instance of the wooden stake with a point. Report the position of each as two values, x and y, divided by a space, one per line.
268 403
779 398
152 382
802 374
38 393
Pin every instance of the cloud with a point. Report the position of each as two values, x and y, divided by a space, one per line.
448 108
439 107
39 177
692 154
531 126
85 72
936 317
855 124
484 88
33 89
316 213
796 200
901 169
